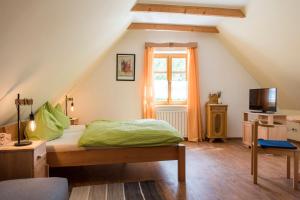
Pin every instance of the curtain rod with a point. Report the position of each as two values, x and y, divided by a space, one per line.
172 44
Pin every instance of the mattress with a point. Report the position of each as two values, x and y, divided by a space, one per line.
129 133
68 141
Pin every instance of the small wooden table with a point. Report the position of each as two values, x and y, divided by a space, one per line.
74 121
216 121
23 162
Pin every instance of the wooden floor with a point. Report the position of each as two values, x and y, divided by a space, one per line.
214 171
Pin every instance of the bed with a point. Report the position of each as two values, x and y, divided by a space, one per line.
64 152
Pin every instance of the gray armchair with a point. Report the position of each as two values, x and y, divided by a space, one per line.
34 189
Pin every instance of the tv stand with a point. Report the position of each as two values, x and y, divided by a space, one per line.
270 112
260 111
278 132
256 111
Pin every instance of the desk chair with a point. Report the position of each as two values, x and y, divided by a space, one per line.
273 147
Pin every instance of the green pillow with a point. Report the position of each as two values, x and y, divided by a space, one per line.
60 116
47 126
59 108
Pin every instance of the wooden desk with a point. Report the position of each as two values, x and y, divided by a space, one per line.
294 120
277 132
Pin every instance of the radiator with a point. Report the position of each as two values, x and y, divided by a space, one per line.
177 117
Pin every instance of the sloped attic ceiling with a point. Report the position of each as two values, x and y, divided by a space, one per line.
267 43
46 45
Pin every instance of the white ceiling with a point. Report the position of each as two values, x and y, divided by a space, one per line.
174 18
267 42
46 45
184 19
217 3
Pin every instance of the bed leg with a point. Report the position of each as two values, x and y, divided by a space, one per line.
181 163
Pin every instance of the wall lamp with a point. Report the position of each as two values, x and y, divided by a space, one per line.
67 99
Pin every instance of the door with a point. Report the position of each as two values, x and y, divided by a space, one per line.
218 124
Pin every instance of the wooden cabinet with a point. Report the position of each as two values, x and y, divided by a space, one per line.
23 162
74 121
216 121
247 133
278 132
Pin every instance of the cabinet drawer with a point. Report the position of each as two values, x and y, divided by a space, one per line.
74 121
278 133
41 169
40 159
218 108
39 154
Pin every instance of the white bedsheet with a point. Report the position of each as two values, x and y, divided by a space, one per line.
68 141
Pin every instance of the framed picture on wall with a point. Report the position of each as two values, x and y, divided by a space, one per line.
125 67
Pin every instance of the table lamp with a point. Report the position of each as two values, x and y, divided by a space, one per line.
24 102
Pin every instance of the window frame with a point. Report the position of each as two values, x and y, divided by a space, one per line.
169 72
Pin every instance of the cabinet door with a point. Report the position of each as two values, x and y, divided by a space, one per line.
41 167
218 124
16 164
278 133
263 133
247 133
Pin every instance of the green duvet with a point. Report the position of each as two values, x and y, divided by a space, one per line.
135 133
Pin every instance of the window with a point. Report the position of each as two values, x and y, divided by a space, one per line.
170 77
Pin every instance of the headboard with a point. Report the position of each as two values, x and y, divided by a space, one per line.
13 129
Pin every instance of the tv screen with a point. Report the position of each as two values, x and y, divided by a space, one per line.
263 100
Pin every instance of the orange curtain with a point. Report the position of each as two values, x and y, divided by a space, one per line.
193 102
148 95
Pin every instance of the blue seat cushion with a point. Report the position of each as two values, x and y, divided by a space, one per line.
276 144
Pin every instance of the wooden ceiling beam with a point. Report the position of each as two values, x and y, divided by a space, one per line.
173 27
194 10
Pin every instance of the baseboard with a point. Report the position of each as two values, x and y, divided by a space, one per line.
228 138
234 138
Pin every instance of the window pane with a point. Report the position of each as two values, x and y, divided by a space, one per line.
160 86
179 86
179 90
179 76
160 64
178 64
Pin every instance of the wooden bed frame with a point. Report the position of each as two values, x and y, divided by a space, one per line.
98 156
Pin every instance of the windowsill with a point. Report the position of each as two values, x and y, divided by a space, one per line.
170 105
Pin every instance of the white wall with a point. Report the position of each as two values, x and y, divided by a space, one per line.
100 96
267 43
293 127
45 46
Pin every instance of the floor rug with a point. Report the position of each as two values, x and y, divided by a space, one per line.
145 190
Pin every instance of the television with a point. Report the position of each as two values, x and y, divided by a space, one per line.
263 100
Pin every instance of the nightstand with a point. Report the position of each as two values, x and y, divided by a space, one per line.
23 162
74 121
